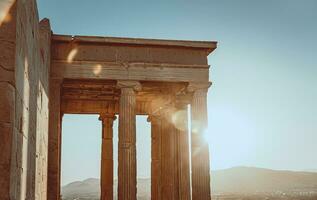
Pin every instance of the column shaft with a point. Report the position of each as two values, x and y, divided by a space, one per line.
183 153
156 148
127 145
54 141
169 160
200 151
107 157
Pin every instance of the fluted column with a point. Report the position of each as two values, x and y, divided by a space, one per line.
156 148
127 140
199 147
106 179
181 125
169 163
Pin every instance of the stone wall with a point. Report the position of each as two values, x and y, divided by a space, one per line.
7 96
24 75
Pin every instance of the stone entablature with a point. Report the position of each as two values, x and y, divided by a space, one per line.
130 59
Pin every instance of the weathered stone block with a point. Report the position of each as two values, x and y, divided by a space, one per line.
4 180
6 131
7 102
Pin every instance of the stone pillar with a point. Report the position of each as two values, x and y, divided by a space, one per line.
169 163
170 176
106 179
156 154
127 140
54 140
181 125
199 147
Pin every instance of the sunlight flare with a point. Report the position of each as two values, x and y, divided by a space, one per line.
207 136
179 119
97 69
72 55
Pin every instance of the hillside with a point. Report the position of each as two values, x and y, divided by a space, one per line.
256 180
238 180
89 189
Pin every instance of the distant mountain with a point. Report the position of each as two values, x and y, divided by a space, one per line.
238 180
311 170
89 189
244 180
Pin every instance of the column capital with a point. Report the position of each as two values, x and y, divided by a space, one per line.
182 100
198 86
103 116
135 85
154 117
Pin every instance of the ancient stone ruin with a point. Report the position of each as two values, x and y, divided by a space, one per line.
44 75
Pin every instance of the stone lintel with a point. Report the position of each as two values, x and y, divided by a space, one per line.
167 72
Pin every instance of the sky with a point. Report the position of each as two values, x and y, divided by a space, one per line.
262 104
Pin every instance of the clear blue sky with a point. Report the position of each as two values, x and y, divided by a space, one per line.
262 105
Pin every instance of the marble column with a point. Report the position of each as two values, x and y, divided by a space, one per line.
106 179
181 125
169 163
156 154
199 147
127 140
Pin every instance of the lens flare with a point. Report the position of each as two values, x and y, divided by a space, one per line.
179 120
72 55
97 69
207 136
196 126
